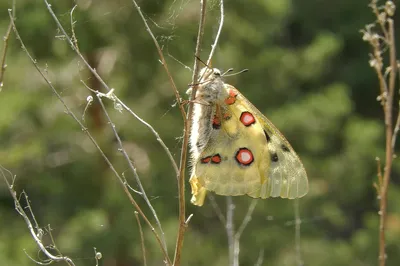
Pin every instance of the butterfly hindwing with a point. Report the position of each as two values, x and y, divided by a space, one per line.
240 150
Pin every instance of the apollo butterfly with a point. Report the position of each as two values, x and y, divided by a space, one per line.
236 150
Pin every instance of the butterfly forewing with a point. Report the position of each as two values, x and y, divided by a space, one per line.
287 177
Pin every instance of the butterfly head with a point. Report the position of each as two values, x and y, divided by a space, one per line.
211 87
209 74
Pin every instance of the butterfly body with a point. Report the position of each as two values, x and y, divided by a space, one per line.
236 150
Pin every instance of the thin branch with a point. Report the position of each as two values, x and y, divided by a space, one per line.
396 130
260 258
74 39
44 262
230 229
74 46
5 47
163 62
380 177
71 43
216 208
36 235
110 95
387 88
221 23
186 126
246 219
141 239
155 133
389 150
397 126
380 19
299 260
86 131
131 166
179 62
53 242
238 234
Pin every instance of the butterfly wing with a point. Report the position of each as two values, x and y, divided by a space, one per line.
286 175
246 154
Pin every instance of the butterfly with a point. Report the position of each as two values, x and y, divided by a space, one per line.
236 150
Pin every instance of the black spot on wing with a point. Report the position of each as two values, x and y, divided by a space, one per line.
274 157
267 136
285 148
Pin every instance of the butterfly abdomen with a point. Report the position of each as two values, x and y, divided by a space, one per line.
201 128
204 118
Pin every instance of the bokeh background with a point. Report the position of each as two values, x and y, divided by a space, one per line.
309 74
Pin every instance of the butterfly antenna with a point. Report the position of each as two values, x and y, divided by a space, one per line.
204 63
229 70
237 73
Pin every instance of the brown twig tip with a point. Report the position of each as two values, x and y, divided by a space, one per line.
141 238
387 82
5 46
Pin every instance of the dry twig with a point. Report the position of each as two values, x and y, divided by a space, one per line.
36 231
387 88
5 47
187 124
141 239
299 260
234 237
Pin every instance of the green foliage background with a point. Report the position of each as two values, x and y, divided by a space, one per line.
309 74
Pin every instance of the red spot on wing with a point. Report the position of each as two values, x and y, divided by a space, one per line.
205 159
216 159
232 97
244 156
216 123
247 118
233 93
227 116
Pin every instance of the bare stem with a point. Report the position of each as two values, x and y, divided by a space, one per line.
141 239
221 24
389 150
260 258
216 208
247 218
162 59
299 260
230 229
5 47
397 126
186 127
133 169
238 234
387 88
155 133
379 18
